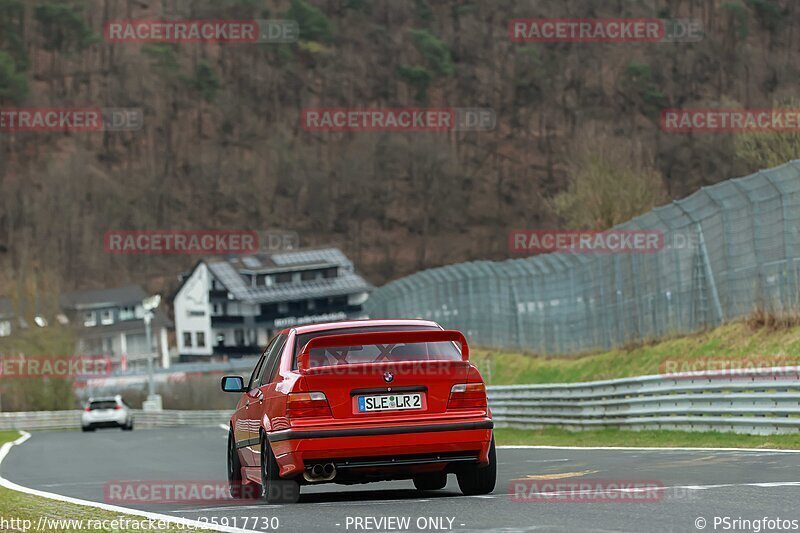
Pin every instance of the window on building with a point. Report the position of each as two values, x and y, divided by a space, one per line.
283 277
136 344
106 317
269 309
238 336
5 328
201 339
89 319
127 312
330 272
308 275
283 307
220 339
187 339
297 307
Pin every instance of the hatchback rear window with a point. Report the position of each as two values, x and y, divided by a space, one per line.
103 405
419 351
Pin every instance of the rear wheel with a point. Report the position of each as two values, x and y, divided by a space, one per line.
87 428
128 426
479 479
433 481
276 490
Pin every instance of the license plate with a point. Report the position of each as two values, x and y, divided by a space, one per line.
389 402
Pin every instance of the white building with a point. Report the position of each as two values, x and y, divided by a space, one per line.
110 322
233 306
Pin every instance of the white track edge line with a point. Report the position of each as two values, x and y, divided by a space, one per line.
646 448
104 506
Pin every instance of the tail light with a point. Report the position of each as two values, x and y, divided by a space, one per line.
467 396
118 407
88 409
307 404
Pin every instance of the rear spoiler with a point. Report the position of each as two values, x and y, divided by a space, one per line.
382 337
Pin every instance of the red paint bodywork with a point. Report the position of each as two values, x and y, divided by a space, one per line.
347 434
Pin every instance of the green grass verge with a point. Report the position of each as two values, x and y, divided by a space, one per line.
654 438
736 341
8 436
22 507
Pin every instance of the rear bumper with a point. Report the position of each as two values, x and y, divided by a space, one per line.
410 446
115 420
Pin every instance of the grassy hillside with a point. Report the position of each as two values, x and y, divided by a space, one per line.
735 341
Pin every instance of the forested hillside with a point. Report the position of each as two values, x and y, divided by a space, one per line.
222 145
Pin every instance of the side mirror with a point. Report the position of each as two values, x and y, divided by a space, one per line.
233 384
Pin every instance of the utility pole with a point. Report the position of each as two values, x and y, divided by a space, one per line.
153 402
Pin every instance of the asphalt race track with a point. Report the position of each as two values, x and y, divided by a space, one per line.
690 484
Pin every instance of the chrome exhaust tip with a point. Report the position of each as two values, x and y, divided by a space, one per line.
320 472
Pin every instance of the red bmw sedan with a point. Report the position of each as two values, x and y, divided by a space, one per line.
361 401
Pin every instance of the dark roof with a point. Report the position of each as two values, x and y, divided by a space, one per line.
291 260
6 309
229 272
103 297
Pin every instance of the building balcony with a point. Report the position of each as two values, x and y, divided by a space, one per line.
226 320
218 294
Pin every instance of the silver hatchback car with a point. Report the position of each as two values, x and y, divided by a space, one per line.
108 412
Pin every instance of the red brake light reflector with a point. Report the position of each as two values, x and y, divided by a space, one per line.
467 396
307 404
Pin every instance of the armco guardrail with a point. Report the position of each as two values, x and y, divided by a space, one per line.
756 401
153 419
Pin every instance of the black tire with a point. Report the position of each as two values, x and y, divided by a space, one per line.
128 427
275 489
87 428
238 489
433 481
477 479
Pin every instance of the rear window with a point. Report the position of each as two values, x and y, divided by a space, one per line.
110 404
340 355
